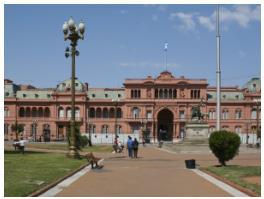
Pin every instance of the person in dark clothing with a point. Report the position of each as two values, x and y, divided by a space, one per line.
135 147
130 147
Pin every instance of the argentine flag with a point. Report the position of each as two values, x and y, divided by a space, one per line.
166 46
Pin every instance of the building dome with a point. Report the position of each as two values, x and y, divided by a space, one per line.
253 85
66 86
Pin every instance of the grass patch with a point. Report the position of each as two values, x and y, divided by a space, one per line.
99 148
50 146
236 174
27 173
64 147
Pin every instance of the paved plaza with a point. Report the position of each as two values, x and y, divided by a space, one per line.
158 172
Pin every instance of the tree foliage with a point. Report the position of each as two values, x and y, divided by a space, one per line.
80 140
17 128
224 145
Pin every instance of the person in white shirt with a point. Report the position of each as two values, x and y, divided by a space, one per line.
22 144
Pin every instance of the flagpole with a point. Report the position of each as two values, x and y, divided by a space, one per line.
218 73
166 59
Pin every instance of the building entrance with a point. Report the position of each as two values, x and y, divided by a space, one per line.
165 125
46 133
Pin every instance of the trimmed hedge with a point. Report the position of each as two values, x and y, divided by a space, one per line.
224 145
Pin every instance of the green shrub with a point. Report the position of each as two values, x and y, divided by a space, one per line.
83 141
224 145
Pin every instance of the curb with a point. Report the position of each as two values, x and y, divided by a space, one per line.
49 186
232 184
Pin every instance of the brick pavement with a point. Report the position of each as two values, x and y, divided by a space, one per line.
155 173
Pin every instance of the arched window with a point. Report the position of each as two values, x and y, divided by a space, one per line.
135 94
61 112
212 114
225 114
22 112
105 113
174 93
46 112
112 113
156 93
118 129
6 112
118 113
165 93
68 112
135 112
92 113
92 128
170 94
105 129
34 112
27 112
98 113
40 112
254 113
160 93
77 112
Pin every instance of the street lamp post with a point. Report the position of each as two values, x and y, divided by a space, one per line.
75 33
35 122
116 104
144 122
89 131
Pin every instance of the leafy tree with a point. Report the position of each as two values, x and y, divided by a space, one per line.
17 128
224 145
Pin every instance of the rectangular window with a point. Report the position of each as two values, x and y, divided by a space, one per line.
182 115
149 114
238 115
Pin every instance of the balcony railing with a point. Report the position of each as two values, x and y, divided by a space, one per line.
68 119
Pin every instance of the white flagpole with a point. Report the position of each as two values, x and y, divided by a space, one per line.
218 73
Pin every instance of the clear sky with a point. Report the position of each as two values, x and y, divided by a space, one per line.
127 41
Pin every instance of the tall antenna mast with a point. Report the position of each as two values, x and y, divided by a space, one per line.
218 73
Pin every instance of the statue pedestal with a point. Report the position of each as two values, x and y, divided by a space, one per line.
196 130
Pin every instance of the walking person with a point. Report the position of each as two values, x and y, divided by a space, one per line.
135 147
22 145
115 145
130 147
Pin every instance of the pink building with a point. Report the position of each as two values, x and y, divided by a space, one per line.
153 104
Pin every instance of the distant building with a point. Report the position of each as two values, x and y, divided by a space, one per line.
160 106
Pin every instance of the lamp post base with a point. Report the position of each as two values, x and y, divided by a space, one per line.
73 153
